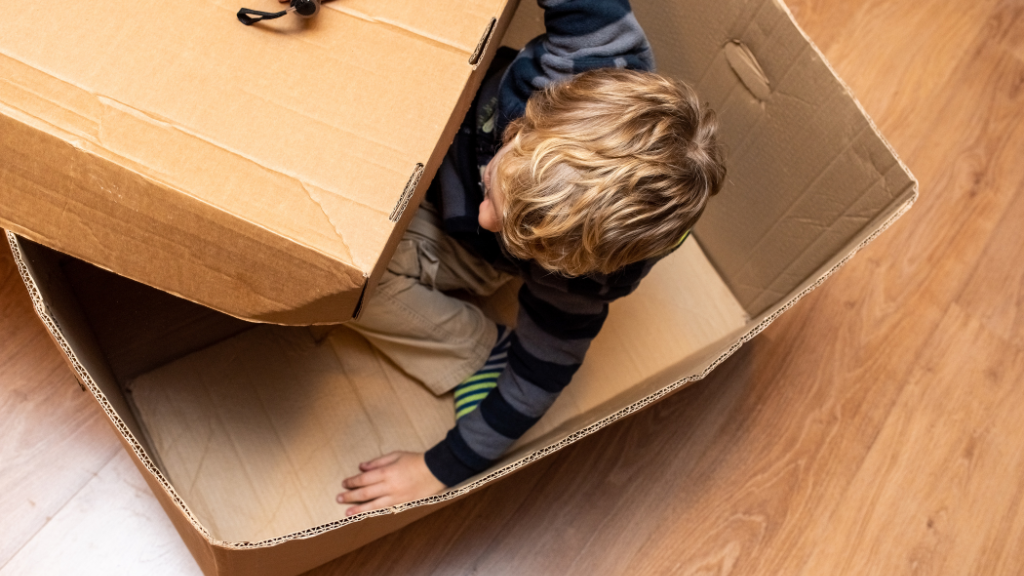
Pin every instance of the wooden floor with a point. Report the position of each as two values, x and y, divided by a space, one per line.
874 429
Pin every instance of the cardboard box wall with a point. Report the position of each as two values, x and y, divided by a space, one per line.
263 171
810 183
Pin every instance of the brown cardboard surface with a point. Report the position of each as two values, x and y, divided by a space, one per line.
257 431
58 305
814 170
257 170
811 183
139 328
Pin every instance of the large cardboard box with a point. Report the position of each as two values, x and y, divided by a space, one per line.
243 431
263 171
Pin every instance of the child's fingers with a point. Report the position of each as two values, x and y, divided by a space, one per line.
364 479
382 461
367 506
365 494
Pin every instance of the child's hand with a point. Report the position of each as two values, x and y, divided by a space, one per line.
391 479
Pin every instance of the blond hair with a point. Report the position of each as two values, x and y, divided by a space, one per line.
609 168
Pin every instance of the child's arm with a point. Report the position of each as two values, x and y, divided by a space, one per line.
555 327
579 35
556 324
558 319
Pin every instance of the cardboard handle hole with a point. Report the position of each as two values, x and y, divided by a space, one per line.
743 63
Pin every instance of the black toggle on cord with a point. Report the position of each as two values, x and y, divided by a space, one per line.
246 16
303 8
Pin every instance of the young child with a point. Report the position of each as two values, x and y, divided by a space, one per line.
576 169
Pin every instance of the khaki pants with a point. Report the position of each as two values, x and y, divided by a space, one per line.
433 337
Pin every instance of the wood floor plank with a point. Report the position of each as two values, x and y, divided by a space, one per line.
54 436
958 145
113 526
895 55
941 490
597 505
995 274
820 388
995 292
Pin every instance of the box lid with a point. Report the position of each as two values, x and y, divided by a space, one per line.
262 171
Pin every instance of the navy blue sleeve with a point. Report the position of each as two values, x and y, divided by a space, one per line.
580 35
558 318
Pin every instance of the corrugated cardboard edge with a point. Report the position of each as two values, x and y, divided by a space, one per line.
53 327
481 46
407 194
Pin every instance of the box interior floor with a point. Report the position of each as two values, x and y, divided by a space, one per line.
256 425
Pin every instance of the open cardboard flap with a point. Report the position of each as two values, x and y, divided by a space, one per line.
263 171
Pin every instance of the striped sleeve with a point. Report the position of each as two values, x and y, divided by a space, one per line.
553 332
558 317
580 35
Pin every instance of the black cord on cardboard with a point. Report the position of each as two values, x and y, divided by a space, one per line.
246 16
303 8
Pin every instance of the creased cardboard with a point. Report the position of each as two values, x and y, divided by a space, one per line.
804 196
250 436
279 414
260 171
291 416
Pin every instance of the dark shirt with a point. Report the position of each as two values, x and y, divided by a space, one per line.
558 316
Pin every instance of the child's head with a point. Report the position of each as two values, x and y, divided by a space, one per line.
609 168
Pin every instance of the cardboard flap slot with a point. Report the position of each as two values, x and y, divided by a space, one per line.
403 200
359 304
743 63
474 58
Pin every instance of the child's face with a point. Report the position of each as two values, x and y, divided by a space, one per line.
494 201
